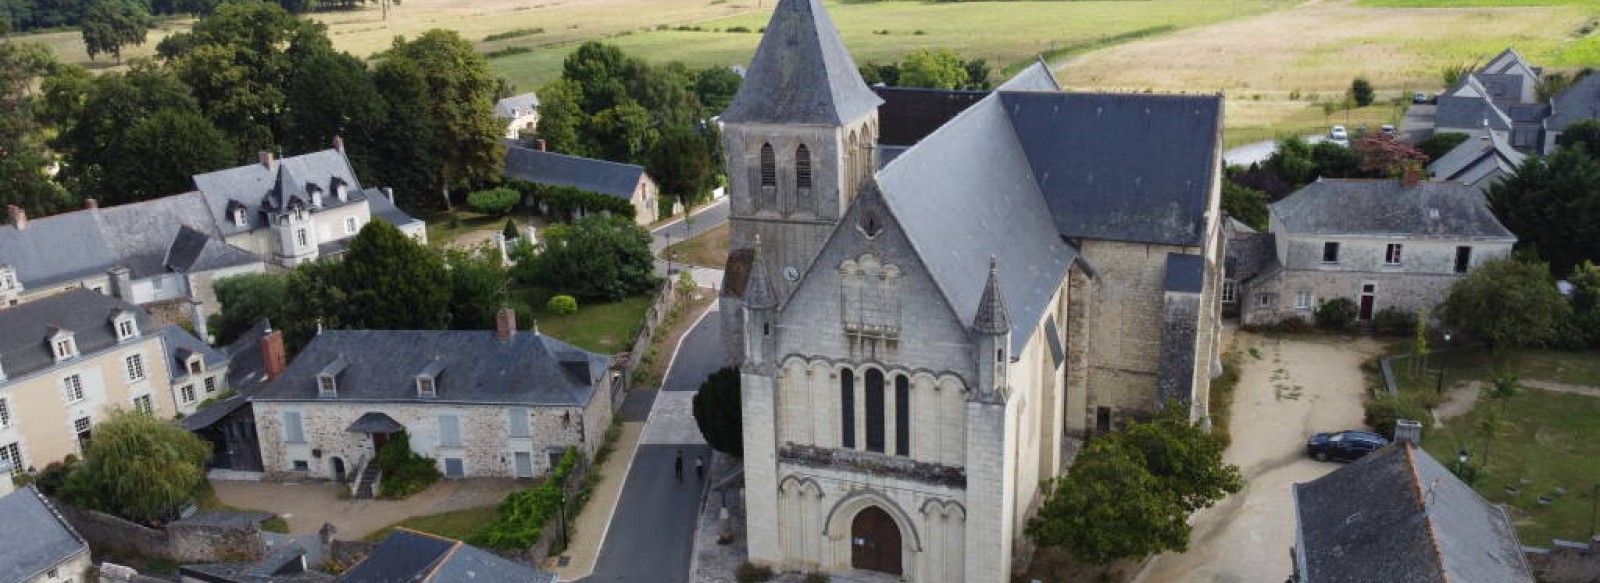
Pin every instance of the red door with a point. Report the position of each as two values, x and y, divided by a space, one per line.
378 439
875 542
1369 292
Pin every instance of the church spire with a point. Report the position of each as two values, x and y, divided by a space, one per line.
992 317
801 73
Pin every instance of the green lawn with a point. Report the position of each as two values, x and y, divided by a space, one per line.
1003 33
459 525
1471 3
445 227
1550 439
606 328
1578 368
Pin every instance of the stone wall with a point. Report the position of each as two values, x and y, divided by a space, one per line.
178 542
1408 292
1125 323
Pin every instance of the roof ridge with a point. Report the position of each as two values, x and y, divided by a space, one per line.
538 152
1422 498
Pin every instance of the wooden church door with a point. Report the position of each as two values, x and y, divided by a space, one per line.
875 542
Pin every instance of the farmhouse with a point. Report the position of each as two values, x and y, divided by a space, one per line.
625 182
498 403
1480 161
923 344
1384 244
520 114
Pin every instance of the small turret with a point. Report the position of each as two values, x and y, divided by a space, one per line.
760 301
991 328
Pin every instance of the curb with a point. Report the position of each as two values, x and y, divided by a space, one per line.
679 348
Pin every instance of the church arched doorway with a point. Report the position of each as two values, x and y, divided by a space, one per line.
875 541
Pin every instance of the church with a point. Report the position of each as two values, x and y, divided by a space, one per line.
924 341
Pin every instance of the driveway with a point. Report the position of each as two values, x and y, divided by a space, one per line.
306 506
1418 123
1258 151
1295 387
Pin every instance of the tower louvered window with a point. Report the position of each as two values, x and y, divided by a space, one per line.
802 167
769 166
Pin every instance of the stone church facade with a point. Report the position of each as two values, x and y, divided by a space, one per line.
923 342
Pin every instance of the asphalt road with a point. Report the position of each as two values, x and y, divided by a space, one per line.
652 532
703 220
1258 151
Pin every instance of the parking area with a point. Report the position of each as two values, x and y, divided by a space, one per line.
1288 389
1418 123
306 506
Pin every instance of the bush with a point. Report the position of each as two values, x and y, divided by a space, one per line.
748 573
1394 321
1288 325
405 472
495 201
506 52
1361 91
738 29
1336 314
510 230
53 476
520 520
562 305
1439 144
1386 408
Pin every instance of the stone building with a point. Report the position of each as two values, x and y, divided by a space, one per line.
922 344
69 360
36 544
481 403
627 182
520 113
1380 243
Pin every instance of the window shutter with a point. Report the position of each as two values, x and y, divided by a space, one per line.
449 431
519 422
292 431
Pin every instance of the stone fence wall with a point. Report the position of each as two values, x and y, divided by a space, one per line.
666 299
180 542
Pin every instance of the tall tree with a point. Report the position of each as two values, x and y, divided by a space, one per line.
459 109
394 282
937 69
245 300
163 152
561 118
717 411
624 133
1587 133
1384 155
1246 204
1553 207
139 467
1477 303
598 257
682 165
23 158
332 94
716 86
110 25
478 285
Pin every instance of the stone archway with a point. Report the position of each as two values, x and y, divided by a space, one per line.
875 543
841 522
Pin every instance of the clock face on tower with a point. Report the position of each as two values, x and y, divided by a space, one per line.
791 273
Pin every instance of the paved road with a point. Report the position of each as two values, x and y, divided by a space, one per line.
1258 151
703 220
652 532
1418 123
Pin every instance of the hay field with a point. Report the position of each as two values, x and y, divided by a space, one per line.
1275 67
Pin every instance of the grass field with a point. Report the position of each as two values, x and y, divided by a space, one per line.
708 249
459 525
1276 67
603 328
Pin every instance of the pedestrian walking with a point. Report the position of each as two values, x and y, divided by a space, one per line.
677 466
700 467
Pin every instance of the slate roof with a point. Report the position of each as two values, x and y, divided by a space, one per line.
1388 208
507 108
33 537
1250 253
529 369
282 565
801 73
599 176
1579 102
260 189
407 556
1476 159
1185 273
1398 515
909 114
991 316
139 236
379 207
245 372
1467 105
1509 61
180 344
25 346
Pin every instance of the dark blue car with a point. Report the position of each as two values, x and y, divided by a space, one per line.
1344 446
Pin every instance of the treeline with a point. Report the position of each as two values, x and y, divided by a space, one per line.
614 106
250 77
27 15
932 69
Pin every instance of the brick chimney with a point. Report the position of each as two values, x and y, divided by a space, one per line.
505 324
539 144
267 160
338 144
1411 176
273 356
90 203
19 217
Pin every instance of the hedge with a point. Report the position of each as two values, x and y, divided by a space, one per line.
562 202
520 520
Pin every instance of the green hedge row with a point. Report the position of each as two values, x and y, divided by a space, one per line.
520 520
562 202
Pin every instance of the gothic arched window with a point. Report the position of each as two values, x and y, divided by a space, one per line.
769 166
875 418
847 407
902 415
802 167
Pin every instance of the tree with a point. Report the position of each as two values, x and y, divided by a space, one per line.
1385 155
718 413
332 94
977 74
1361 92
509 231
1292 162
1336 161
1587 133
1129 494
23 181
164 151
937 69
1441 143
139 467
495 201
598 257
458 109
875 74
478 287
394 282
624 133
110 25
682 166
1552 206
716 86
1477 303
321 299
1585 281
561 119
1450 74
246 299
1247 205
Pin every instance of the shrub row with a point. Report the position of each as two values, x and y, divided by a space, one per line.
520 520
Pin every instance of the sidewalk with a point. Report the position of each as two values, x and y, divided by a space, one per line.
589 529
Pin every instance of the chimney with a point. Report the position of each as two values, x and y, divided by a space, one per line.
272 354
19 217
1408 430
539 144
505 324
1411 176
267 160
121 282
338 143
90 204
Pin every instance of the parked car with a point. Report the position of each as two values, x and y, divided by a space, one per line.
1419 97
1339 136
1388 130
1344 446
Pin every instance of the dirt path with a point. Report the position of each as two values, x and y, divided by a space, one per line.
1288 389
307 506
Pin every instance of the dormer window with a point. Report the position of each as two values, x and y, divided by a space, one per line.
316 195
127 327
63 346
340 192
428 379
8 278
328 379
195 366
425 387
238 217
